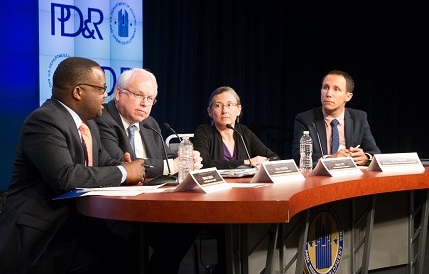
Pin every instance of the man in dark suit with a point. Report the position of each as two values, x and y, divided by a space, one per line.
133 99
42 235
355 137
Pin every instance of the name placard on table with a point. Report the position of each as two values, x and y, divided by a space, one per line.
397 162
205 180
277 172
340 166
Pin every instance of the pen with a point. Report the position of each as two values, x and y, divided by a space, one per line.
148 166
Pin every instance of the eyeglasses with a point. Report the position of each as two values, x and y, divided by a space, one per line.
227 106
139 97
102 90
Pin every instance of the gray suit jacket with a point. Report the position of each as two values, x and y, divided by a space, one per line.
49 161
115 139
357 132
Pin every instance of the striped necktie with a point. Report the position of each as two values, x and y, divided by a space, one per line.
131 133
86 143
335 136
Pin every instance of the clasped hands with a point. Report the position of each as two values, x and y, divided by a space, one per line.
358 155
256 161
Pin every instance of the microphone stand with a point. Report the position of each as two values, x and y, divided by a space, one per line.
172 130
244 143
169 179
318 139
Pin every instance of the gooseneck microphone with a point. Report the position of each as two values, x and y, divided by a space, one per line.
172 130
318 139
169 179
244 143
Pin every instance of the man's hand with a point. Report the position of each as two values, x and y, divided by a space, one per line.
358 155
127 157
197 160
136 172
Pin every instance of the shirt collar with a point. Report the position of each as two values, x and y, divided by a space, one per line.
126 124
74 115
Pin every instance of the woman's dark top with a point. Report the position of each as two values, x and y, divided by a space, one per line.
208 141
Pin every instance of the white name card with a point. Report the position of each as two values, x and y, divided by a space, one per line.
397 162
340 166
277 172
205 180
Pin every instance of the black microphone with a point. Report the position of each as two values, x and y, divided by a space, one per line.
318 139
162 179
244 143
172 130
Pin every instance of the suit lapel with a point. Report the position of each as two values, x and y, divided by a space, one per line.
321 129
148 141
348 127
113 111
79 154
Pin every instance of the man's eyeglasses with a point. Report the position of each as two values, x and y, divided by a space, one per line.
227 106
102 90
140 97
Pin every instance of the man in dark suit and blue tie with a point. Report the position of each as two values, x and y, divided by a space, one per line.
122 130
337 131
42 235
134 96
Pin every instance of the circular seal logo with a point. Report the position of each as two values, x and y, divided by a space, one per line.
123 23
324 247
53 64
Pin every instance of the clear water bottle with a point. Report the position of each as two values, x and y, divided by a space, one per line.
186 163
306 152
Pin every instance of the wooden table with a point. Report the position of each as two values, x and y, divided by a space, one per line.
272 204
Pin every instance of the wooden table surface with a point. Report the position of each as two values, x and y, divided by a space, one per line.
274 203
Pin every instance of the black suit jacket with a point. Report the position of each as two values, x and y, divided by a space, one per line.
357 132
49 161
115 139
208 141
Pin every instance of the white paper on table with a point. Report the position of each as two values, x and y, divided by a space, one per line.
108 191
120 190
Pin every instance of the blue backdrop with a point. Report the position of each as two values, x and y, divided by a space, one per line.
19 53
19 76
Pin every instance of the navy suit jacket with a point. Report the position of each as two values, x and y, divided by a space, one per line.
49 161
357 132
115 139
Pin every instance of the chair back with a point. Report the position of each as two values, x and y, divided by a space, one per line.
173 142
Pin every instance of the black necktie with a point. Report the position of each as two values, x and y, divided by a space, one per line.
335 136
131 133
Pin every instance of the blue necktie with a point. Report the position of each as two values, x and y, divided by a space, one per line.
131 133
335 136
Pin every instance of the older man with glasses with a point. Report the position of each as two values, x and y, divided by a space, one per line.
122 130
121 125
